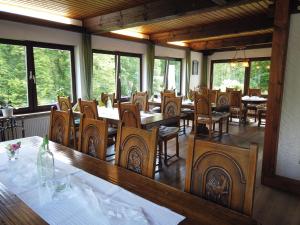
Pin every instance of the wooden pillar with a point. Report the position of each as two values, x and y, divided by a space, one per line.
278 63
203 78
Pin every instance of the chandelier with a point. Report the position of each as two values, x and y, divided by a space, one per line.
243 60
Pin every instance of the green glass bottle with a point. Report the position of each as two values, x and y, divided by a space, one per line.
45 162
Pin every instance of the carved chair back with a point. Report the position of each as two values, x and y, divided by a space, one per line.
221 173
93 137
64 103
254 92
203 90
172 106
191 95
230 89
60 126
129 114
104 98
136 150
213 95
235 99
223 99
169 91
202 106
141 99
88 108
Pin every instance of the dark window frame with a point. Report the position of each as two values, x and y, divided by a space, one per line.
30 69
246 74
118 55
167 70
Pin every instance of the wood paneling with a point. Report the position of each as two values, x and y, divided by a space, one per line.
232 42
236 26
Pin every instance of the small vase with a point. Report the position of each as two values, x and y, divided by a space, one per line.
7 112
12 155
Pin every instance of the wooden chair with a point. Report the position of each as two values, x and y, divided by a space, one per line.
141 99
60 126
93 136
203 114
64 103
262 113
223 105
221 173
213 96
203 90
104 98
252 108
169 91
129 115
88 108
230 89
136 150
254 92
170 109
236 106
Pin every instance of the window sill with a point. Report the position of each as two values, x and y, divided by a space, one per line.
28 115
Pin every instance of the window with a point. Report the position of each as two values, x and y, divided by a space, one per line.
167 74
104 74
108 68
33 74
53 74
259 75
223 75
13 75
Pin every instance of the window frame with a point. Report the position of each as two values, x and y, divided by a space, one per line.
118 55
246 73
167 70
30 69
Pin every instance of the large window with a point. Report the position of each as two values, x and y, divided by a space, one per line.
224 74
167 74
33 74
118 73
259 75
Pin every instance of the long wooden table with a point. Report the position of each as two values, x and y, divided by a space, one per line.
196 210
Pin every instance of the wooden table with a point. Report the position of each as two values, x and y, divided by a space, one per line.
148 119
246 100
185 104
196 210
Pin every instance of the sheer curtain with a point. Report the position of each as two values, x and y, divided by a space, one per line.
87 60
188 70
150 66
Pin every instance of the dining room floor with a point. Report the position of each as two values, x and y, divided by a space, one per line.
271 206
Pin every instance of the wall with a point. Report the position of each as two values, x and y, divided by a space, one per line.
251 53
288 157
195 79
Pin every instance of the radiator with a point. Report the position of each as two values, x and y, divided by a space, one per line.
38 126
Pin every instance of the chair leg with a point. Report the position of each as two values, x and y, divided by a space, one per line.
209 130
227 125
214 126
177 147
166 153
159 155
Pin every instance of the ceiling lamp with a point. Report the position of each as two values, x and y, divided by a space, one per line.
243 60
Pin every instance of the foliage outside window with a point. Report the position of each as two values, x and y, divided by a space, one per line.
224 75
104 74
259 75
53 74
159 75
33 74
129 75
108 68
13 75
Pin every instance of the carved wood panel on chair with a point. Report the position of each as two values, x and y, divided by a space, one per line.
136 150
221 173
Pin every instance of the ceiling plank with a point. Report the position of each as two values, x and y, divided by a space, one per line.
245 41
248 24
154 11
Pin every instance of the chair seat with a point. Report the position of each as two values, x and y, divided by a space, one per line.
215 118
167 131
112 131
236 109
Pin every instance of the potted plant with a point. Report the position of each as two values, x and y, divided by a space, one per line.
6 107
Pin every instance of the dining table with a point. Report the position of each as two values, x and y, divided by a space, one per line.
251 100
86 190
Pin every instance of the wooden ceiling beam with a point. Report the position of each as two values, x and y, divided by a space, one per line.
245 41
237 26
155 11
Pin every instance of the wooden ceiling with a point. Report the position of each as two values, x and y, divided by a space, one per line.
201 24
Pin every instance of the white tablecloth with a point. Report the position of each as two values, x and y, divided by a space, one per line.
77 197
